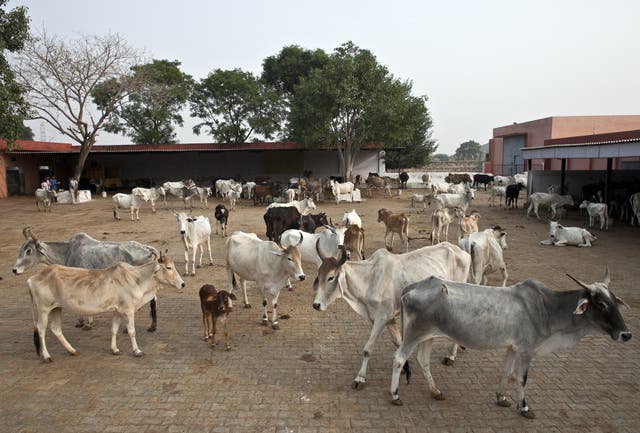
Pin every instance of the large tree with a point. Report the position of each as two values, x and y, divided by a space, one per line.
353 100
469 150
14 31
148 115
75 85
284 70
236 107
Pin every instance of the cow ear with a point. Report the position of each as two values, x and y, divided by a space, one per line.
232 296
621 303
278 253
583 303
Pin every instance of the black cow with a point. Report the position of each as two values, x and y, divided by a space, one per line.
222 216
512 194
279 219
483 179
404 177
458 178
309 223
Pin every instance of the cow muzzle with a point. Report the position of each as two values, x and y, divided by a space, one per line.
182 232
624 336
316 306
17 271
301 277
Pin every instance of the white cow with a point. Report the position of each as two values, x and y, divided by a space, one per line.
222 186
521 178
195 233
232 196
133 202
303 206
121 289
561 236
634 200
553 201
500 192
204 194
485 248
264 262
425 199
440 187
45 196
150 194
181 189
503 180
440 220
454 200
351 217
457 188
596 211
247 190
328 241
291 194
341 188
372 287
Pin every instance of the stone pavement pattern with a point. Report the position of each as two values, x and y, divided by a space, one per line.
297 379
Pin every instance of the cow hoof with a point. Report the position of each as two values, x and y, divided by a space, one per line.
47 360
397 402
151 328
503 403
439 396
73 353
264 322
528 414
448 361
227 347
247 305
138 354
117 352
359 385
86 327
275 327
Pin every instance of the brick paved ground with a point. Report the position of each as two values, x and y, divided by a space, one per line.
298 379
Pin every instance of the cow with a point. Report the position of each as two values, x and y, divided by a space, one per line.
440 220
247 190
133 202
182 189
457 188
372 287
404 178
553 201
73 189
354 241
425 199
150 194
223 186
522 178
232 195
426 179
44 196
512 193
303 206
394 223
455 200
195 232
264 262
440 187
634 201
482 179
458 178
310 222
222 217
341 188
500 192
215 305
596 211
561 236
279 219
486 248
83 251
204 194
527 319
375 181
351 217
503 180
328 241
468 224
262 192
121 289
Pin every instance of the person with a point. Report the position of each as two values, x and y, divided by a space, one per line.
53 184
73 189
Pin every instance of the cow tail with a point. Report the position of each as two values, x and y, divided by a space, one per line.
36 334
471 277
233 282
362 249
406 368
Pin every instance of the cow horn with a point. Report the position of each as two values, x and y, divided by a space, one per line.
30 233
301 239
607 278
25 232
331 228
318 250
585 285
343 257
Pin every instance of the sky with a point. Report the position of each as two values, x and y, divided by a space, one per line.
482 64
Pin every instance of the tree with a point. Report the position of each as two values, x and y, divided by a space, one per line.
441 157
469 150
353 100
284 70
14 31
148 115
75 86
236 107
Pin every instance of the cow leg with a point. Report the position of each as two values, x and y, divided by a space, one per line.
137 214
131 330
56 329
115 325
501 399
205 324
212 328
450 359
41 326
153 206
88 323
154 315
209 250
196 248
424 359
522 369
227 345
274 305
505 275
132 210
399 359
376 329
265 320
201 249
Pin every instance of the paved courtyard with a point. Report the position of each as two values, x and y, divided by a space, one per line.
298 379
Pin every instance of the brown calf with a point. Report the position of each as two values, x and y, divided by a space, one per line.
215 305
354 240
469 224
395 223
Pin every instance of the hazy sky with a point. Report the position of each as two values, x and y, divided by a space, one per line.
482 64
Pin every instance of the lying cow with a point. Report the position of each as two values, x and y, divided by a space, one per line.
561 236
121 289
527 319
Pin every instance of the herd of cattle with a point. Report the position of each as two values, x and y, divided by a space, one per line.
435 290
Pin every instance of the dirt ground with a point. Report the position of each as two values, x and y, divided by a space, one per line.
298 378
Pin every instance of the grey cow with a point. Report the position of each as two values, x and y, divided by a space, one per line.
83 251
527 319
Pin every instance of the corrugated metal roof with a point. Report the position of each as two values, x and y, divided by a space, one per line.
622 148
608 138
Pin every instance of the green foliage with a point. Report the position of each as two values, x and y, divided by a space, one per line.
284 71
469 150
235 107
440 157
352 101
14 31
148 115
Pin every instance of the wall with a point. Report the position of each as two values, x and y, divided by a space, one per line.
570 126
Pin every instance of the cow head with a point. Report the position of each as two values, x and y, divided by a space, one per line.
554 228
600 307
291 260
183 221
383 214
166 273
501 236
31 253
327 282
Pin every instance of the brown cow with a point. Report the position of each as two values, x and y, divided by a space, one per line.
215 305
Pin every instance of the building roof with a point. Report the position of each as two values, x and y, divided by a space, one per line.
622 144
611 137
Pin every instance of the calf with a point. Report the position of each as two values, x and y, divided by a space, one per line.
404 178
497 191
596 210
455 200
440 221
204 194
512 193
425 199
553 201
394 223
634 201
354 240
351 217
469 224
195 233
309 223
561 236
222 217
215 305
440 187
486 248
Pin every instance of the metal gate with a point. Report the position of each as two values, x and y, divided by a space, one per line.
15 181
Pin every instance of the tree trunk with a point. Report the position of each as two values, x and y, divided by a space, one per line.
85 149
